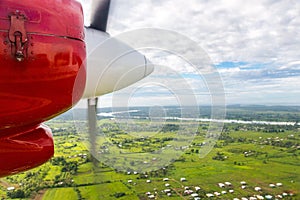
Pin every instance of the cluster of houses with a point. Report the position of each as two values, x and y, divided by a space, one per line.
256 189
81 155
227 188
168 191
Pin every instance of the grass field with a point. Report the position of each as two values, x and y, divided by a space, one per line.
106 191
241 154
61 193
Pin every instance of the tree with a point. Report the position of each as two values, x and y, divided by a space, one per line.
58 161
119 194
170 128
220 156
16 194
71 167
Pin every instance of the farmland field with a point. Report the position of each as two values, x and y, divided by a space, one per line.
58 193
244 158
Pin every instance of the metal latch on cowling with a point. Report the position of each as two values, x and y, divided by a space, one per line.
18 36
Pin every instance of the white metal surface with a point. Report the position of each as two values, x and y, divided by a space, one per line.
111 64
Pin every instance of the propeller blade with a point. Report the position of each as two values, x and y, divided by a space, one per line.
99 17
92 123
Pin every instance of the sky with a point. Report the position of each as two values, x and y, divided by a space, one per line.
253 44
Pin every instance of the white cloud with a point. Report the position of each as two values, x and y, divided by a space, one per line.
227 30
261 33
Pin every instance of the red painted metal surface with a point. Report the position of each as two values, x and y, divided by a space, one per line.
42 74
25 150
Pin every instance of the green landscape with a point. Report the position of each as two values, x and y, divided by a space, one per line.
162 160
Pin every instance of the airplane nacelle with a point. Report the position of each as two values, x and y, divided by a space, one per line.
42 74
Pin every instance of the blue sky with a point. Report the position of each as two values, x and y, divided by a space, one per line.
254 45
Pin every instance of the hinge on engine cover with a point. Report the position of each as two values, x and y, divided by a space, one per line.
18 36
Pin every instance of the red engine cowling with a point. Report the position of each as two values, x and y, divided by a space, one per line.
42 74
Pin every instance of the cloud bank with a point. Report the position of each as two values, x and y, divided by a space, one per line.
253 43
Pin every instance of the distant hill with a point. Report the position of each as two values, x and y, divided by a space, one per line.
239 112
